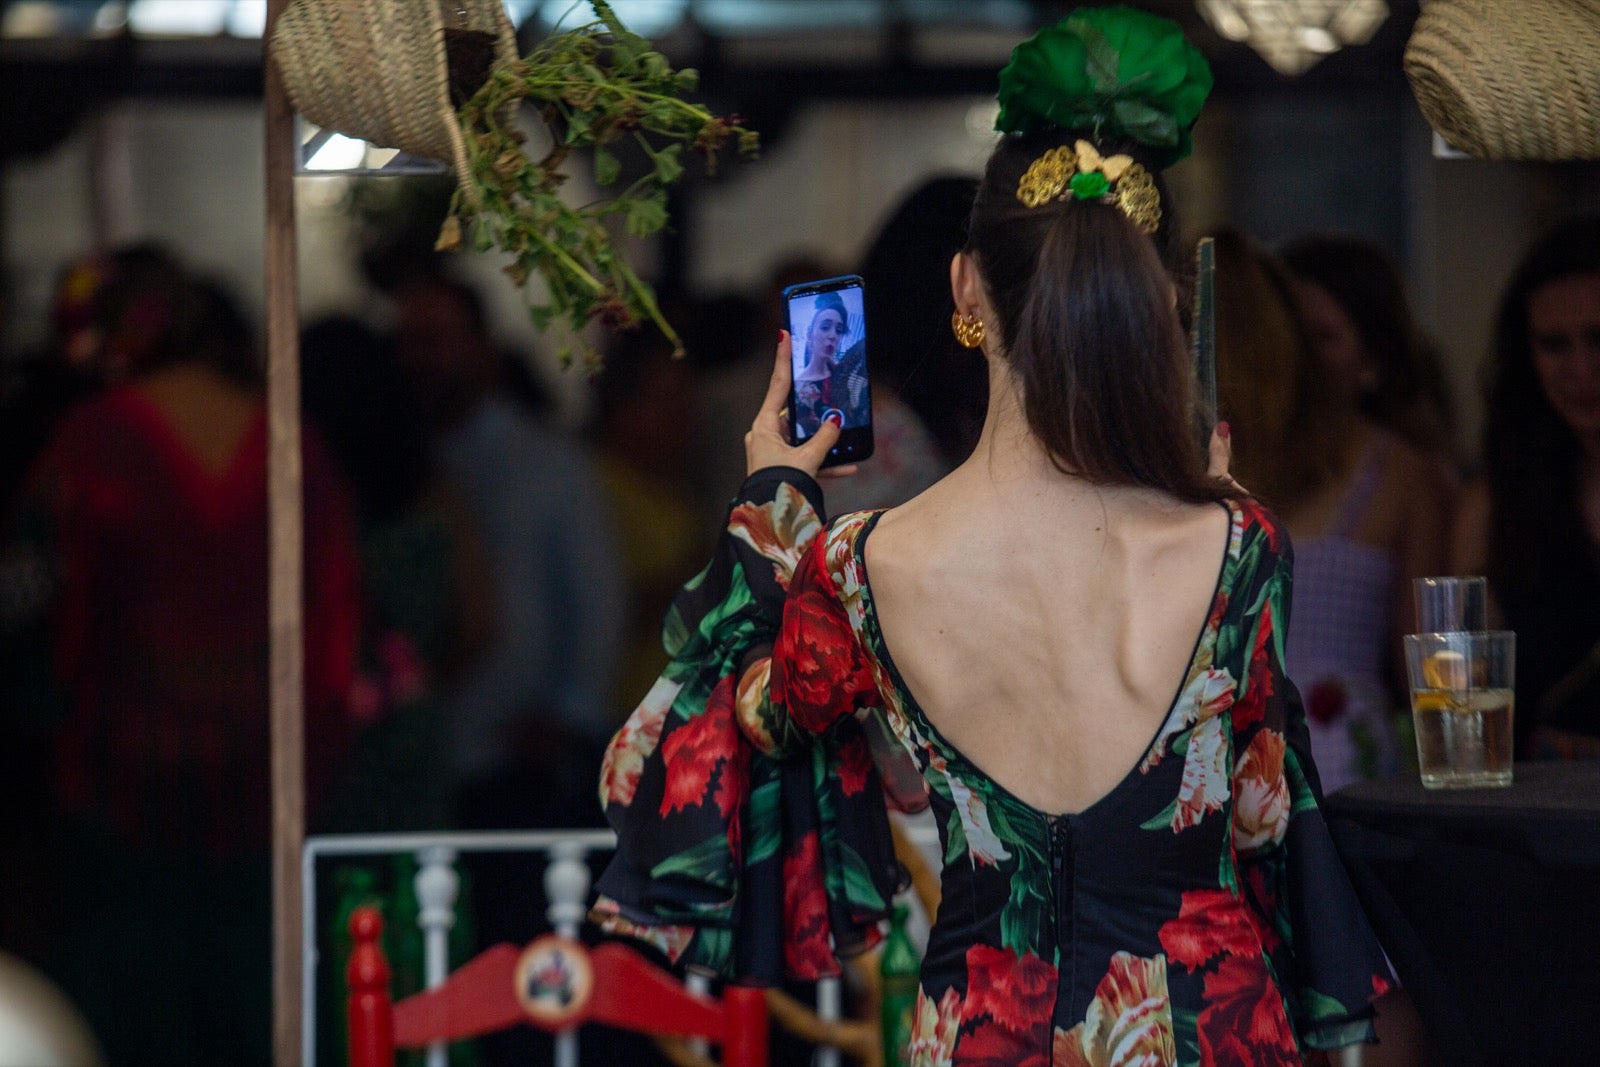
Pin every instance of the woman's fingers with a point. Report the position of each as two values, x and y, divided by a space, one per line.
767 443
815 450
777 397
1219 457
1219 454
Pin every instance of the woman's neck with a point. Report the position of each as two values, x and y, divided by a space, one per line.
1008 451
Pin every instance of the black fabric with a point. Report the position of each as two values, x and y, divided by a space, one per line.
1488 903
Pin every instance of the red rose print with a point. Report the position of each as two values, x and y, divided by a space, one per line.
697 748
1211 923
808 939
855 765
1244 1022
818 669
1017 993
1263 903
988 1044
1252 707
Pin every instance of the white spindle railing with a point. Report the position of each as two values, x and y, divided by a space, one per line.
437 885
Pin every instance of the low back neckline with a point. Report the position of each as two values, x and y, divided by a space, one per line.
879 647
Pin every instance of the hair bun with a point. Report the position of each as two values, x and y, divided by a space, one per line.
1113 70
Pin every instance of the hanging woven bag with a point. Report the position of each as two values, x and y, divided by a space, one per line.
1510 79
392 72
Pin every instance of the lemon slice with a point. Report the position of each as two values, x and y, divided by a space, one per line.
1433 700
1445 670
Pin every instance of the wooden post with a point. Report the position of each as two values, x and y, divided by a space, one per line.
286 526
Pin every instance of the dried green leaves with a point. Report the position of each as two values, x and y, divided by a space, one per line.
594 85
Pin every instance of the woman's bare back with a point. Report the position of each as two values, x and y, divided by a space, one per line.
1045 625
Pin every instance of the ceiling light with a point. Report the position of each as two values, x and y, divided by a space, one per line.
1292 35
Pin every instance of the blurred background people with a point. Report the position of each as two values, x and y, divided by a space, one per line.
914 355
427 600
147 513
1354 301
529 721
1532 524
38 388
911 350
1367 511
644 430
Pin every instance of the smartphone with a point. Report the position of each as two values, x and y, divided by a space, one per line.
827 323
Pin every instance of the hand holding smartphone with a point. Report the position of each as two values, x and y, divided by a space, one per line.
827 326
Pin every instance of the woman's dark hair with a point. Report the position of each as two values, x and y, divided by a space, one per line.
830 302
1409 397
145 311
1087 324
223 338
1531 456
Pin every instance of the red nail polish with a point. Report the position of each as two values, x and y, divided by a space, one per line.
1223 431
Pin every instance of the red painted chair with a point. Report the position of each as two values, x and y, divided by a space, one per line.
554 983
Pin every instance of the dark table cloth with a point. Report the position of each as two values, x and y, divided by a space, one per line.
1488 903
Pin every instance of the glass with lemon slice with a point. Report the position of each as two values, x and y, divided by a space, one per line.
1462 702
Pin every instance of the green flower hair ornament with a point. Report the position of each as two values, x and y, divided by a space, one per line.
1113 70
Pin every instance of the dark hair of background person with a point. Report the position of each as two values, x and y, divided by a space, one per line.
911 350
1531 456
1270 384
222 338
145 313
1409 397
729 330
353 391
1087 323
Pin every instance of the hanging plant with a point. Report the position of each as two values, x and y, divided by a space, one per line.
593 85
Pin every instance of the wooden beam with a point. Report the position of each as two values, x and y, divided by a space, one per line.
287 548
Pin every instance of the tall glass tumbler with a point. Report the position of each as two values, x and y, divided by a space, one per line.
1462 703
1448 604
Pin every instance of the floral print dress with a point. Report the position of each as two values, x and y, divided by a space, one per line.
1195 914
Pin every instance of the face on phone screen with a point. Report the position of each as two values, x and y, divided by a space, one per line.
828 338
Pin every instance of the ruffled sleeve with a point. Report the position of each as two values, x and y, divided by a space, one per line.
1312 927
753 839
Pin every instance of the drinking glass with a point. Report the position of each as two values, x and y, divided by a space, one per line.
1448 604
1462 702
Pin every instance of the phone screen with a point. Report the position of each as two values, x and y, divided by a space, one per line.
827 325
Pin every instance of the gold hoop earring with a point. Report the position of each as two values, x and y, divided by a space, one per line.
968 329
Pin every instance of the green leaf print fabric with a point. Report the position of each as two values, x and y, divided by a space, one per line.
1196 914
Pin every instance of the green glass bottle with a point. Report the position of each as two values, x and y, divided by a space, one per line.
899 970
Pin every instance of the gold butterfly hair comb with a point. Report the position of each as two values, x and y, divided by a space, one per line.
1082 173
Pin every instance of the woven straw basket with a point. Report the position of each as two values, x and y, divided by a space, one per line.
1510 79
376 69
